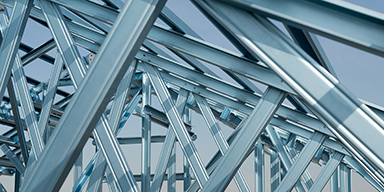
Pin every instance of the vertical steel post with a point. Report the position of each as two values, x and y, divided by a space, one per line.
172 170
275 164
146 136
286 159
17 181
259 167
186 172
78 168
335 181
345 178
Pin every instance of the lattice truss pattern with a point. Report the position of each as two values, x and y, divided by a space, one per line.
106 60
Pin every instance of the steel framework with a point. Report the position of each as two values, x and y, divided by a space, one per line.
113 59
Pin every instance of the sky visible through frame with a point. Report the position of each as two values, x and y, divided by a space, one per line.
359 71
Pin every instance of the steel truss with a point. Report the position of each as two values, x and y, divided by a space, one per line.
125 63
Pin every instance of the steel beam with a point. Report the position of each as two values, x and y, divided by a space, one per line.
286 159
178 25
21 89
48 178
186 166
345 178
146 136
168 145
38 52
2 188
36 13
114 120
362 172
18 124
13 158
351 24
275 173
302 162
335 181
327 172
219 137
11 41
87 31
85 175
326 98
84 178
259 167
49 98
236 154
310 44
64 41
171 181
178 127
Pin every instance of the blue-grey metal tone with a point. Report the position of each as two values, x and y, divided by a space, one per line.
345 178
286 159
275 174
114 121
12 35
146 135
49 97
335 181
168 146
245 139
146 13
327 172
259 167
321 97
13 158
177 124
172 171
218 135
21 89
18 124
119 60
302 161
358 27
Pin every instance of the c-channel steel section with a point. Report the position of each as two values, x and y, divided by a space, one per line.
76 70
323 92
85 176
327 172
259 166
245 140
283 154
302 162
146 136
178 126
179 41
219 137
49 97
114 120
50 178
351 24
12 32
168 145
21 89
